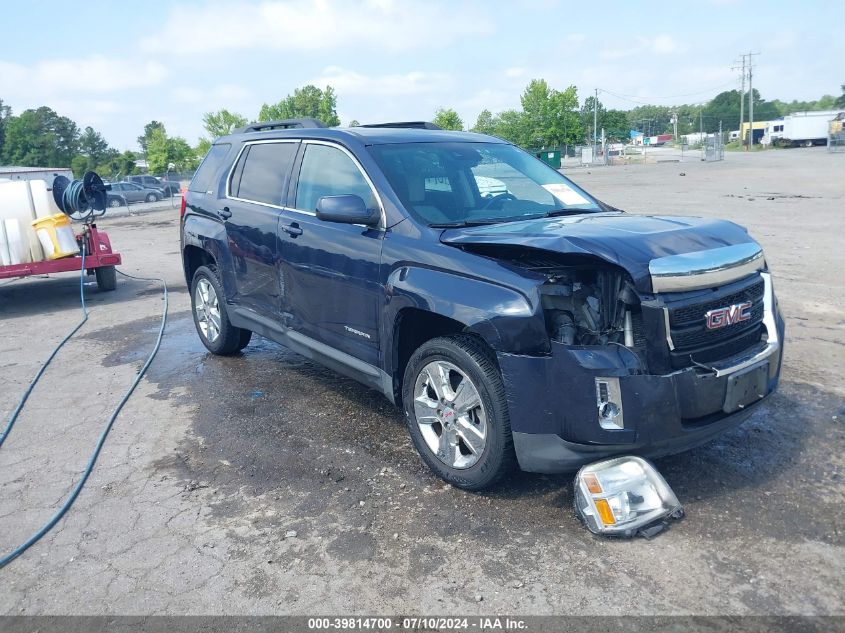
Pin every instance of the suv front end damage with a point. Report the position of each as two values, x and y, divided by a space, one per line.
649 368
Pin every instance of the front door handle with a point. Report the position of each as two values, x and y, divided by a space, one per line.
225 213
293 229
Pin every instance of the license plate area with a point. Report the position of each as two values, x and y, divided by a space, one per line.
746 387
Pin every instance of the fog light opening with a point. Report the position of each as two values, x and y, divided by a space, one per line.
624 496
609 403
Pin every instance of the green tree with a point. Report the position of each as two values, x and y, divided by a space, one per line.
222 122
163 150
308 101
353 123
181 154
156 150
40 138
93 145
840 100
512 125
548 115
484 124
587 116
725 107
149 128
448 119
203 146
5 113
615 124
651 119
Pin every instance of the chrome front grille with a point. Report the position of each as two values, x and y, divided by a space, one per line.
689 337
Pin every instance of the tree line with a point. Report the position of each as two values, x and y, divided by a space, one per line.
547 117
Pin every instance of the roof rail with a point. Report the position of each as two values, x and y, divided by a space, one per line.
417 125
280 124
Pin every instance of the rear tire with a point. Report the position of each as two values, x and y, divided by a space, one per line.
470 447
211 319
106 278
152 198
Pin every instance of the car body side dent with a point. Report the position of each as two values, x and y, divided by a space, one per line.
505 318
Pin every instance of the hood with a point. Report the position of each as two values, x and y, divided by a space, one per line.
629 241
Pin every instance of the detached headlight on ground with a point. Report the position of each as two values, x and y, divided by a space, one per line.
624 496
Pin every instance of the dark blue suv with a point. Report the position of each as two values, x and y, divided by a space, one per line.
513 317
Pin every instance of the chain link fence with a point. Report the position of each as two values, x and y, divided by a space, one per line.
697 147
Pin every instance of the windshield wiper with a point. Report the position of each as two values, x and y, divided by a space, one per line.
569 211
453 225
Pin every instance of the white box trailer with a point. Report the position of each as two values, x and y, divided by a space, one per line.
800 128
14 172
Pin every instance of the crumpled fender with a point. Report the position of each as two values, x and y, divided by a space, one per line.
209 235
506 319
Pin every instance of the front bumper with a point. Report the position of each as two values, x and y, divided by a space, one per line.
554 413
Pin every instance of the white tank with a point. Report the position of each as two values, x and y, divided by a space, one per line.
42 199
17 243
17 203
5 256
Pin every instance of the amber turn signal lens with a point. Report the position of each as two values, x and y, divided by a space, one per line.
605 512
593 484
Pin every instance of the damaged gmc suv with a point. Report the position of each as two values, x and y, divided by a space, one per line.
512 316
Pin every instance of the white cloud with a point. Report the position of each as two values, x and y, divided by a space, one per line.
661 44
350 82
514 72
96 74
222 96
306 25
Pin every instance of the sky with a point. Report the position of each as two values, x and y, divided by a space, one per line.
117 65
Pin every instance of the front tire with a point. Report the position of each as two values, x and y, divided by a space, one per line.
456 410
208 305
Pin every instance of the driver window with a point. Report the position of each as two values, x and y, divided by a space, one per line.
327 171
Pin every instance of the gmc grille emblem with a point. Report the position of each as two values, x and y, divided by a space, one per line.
721 317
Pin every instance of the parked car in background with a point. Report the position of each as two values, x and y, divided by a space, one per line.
168 187
128 192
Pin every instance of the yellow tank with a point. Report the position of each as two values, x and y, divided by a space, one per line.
56 236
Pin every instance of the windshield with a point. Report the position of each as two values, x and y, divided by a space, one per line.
453 184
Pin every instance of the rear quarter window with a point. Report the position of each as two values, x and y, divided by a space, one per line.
203 180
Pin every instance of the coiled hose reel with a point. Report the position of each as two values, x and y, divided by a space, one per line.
81 200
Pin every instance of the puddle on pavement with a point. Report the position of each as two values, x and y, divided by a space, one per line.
270 422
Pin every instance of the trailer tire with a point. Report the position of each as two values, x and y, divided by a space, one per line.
106 278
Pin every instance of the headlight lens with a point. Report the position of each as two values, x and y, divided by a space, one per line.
624 496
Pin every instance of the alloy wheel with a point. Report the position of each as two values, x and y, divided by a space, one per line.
207 309
450 414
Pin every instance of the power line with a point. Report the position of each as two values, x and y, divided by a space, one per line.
626 97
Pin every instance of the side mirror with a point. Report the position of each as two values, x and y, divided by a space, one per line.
347 209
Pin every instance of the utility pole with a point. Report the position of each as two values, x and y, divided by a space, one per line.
742 102
751 100
595 121
747 67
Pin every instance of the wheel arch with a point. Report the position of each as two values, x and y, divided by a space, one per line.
411 329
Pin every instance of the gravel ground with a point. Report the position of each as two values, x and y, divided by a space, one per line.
265 484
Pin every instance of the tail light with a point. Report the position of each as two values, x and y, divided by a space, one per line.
184 203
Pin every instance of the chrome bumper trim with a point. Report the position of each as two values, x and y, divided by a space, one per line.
705 269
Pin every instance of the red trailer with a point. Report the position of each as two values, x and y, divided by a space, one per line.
100 260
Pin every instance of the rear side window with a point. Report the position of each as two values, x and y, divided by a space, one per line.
327 171
204 178
265 173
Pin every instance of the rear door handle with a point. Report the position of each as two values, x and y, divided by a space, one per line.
293 229
225 213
